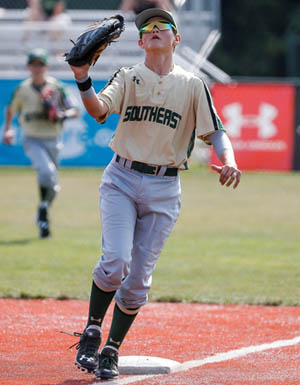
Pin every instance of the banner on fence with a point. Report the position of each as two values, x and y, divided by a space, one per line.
259 119
85 142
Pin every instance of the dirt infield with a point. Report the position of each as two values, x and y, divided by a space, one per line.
234 345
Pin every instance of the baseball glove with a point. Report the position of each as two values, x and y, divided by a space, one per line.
50 101
92 42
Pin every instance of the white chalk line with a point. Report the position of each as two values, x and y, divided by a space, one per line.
220 357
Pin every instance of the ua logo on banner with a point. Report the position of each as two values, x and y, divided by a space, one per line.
263 122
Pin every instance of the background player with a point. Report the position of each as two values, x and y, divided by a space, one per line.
41 127
162 108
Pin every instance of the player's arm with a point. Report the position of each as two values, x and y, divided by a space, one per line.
229 172
9 134
95 107
71 110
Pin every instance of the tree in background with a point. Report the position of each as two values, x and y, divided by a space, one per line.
254 36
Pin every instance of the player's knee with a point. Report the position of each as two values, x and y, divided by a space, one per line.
47 175
127 299
45 178
111 271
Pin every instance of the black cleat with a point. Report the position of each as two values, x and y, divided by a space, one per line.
108 364
45 233
87 356
43 222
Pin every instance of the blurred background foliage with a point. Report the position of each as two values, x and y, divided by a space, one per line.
259 38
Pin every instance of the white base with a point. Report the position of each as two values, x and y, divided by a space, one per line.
146 365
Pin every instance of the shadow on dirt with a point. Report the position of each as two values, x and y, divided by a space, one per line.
76 382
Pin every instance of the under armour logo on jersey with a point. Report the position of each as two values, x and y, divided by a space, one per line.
263 121
135 79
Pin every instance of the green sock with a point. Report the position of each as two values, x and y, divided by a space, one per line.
120 325
99 303
47 194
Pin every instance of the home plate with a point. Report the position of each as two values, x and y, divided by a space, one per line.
146 365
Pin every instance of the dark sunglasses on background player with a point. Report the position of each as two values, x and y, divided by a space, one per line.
162 25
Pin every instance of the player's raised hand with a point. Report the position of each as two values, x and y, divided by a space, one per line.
228 175
80 72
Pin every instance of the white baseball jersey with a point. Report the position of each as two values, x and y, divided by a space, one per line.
26 101
159 115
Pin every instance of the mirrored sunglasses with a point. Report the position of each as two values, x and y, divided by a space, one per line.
162 25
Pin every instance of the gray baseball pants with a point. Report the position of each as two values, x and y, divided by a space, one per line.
43 154
138 213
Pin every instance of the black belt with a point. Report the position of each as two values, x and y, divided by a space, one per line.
150 170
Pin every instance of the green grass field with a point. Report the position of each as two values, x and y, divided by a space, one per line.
229 246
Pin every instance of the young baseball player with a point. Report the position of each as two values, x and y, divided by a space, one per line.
162 109
42 104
